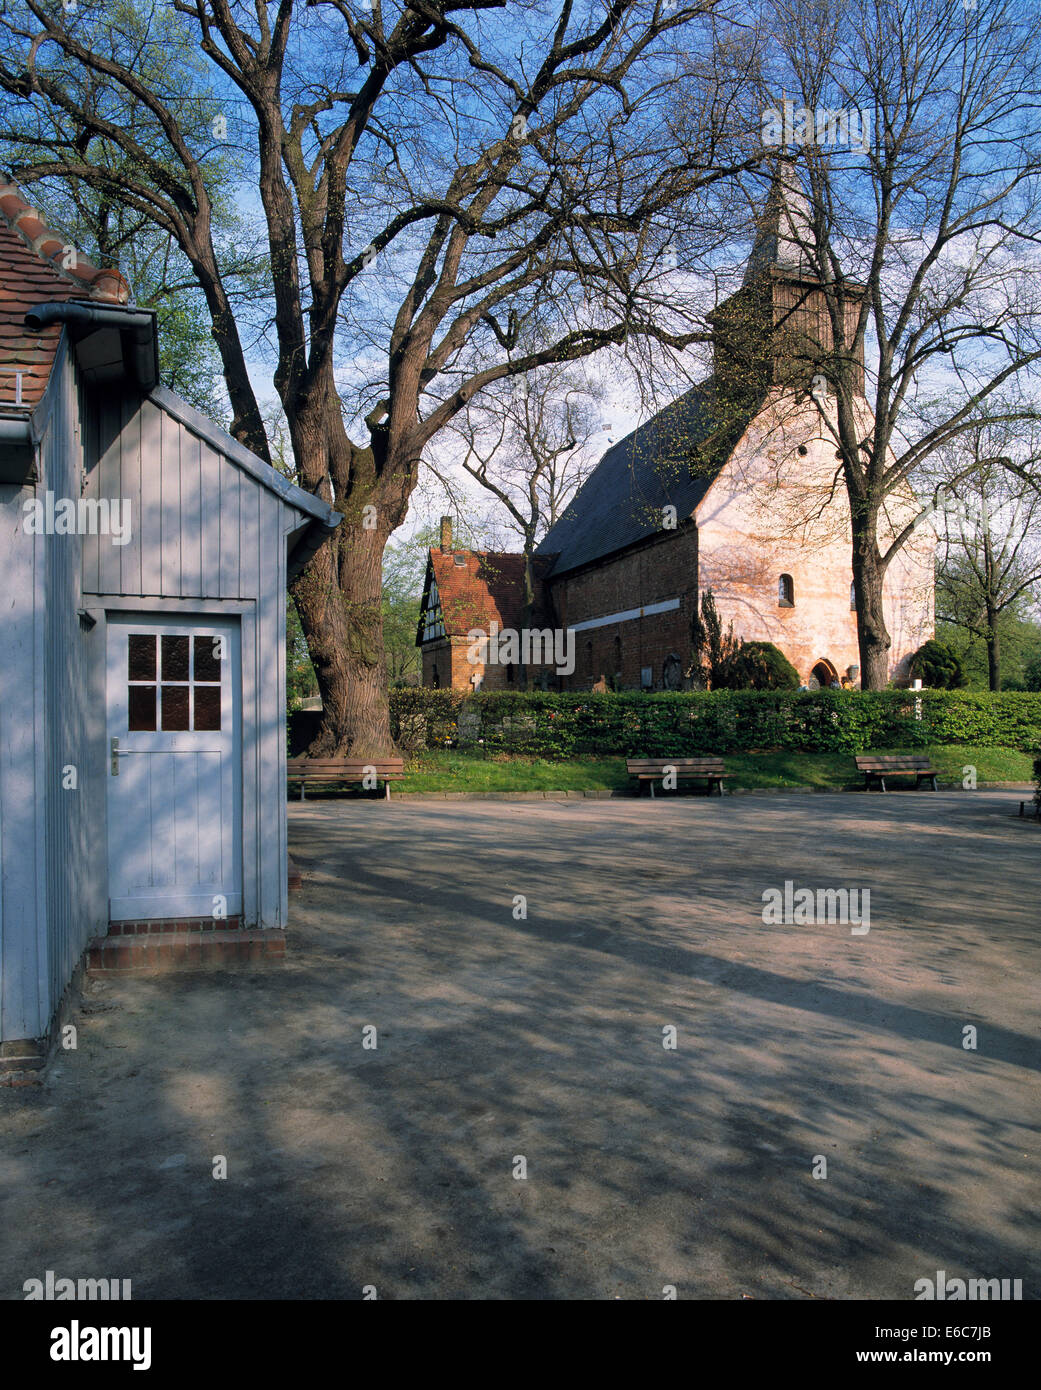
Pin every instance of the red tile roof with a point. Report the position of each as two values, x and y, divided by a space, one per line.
37 266
488 588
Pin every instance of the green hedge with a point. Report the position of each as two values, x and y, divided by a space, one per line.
720 721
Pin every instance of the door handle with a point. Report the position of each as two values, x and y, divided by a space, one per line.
116 755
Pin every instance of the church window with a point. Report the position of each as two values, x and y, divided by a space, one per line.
785 592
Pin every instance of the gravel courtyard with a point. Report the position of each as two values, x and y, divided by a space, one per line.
502 1037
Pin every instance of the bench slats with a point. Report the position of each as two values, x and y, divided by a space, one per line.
653 770
345 766
342 776
680 764
877 767
304 772
868 762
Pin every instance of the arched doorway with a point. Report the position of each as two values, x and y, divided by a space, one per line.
824 674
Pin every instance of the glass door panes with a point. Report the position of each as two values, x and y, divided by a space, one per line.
142 673
173 682
207 666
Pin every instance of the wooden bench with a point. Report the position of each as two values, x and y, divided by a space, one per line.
651 770
310 772
876 768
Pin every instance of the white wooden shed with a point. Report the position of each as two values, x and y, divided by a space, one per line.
144 558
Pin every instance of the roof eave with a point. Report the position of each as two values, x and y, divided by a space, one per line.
305 542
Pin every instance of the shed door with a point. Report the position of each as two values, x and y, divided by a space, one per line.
174 783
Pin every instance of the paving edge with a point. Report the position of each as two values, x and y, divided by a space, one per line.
625 793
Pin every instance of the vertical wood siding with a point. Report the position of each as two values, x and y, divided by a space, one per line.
205 529
201 528
70 812
22 821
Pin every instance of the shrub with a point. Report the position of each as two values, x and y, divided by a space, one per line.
1032 674
938 666
712 647
686 724
756 666
423 718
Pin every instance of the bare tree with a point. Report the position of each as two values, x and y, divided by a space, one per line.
917 243
988 510
436 185
528 445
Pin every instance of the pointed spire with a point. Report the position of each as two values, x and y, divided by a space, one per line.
784 229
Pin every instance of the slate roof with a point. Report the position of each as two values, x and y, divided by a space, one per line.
671 459
33 271
488 587
676 455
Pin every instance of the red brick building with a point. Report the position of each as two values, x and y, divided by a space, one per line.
730 488
469 591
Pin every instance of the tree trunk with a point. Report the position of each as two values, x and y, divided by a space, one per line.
340 600
528 607
993 647
339 595
868 575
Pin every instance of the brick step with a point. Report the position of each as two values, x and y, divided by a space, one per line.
184 950
153 925
22 1055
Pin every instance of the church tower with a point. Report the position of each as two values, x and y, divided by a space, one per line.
776 329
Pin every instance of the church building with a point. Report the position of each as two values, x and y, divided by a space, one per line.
735 487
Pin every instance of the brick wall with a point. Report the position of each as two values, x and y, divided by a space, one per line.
455 671
665 568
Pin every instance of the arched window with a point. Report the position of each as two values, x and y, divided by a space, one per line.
785 592
853 595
